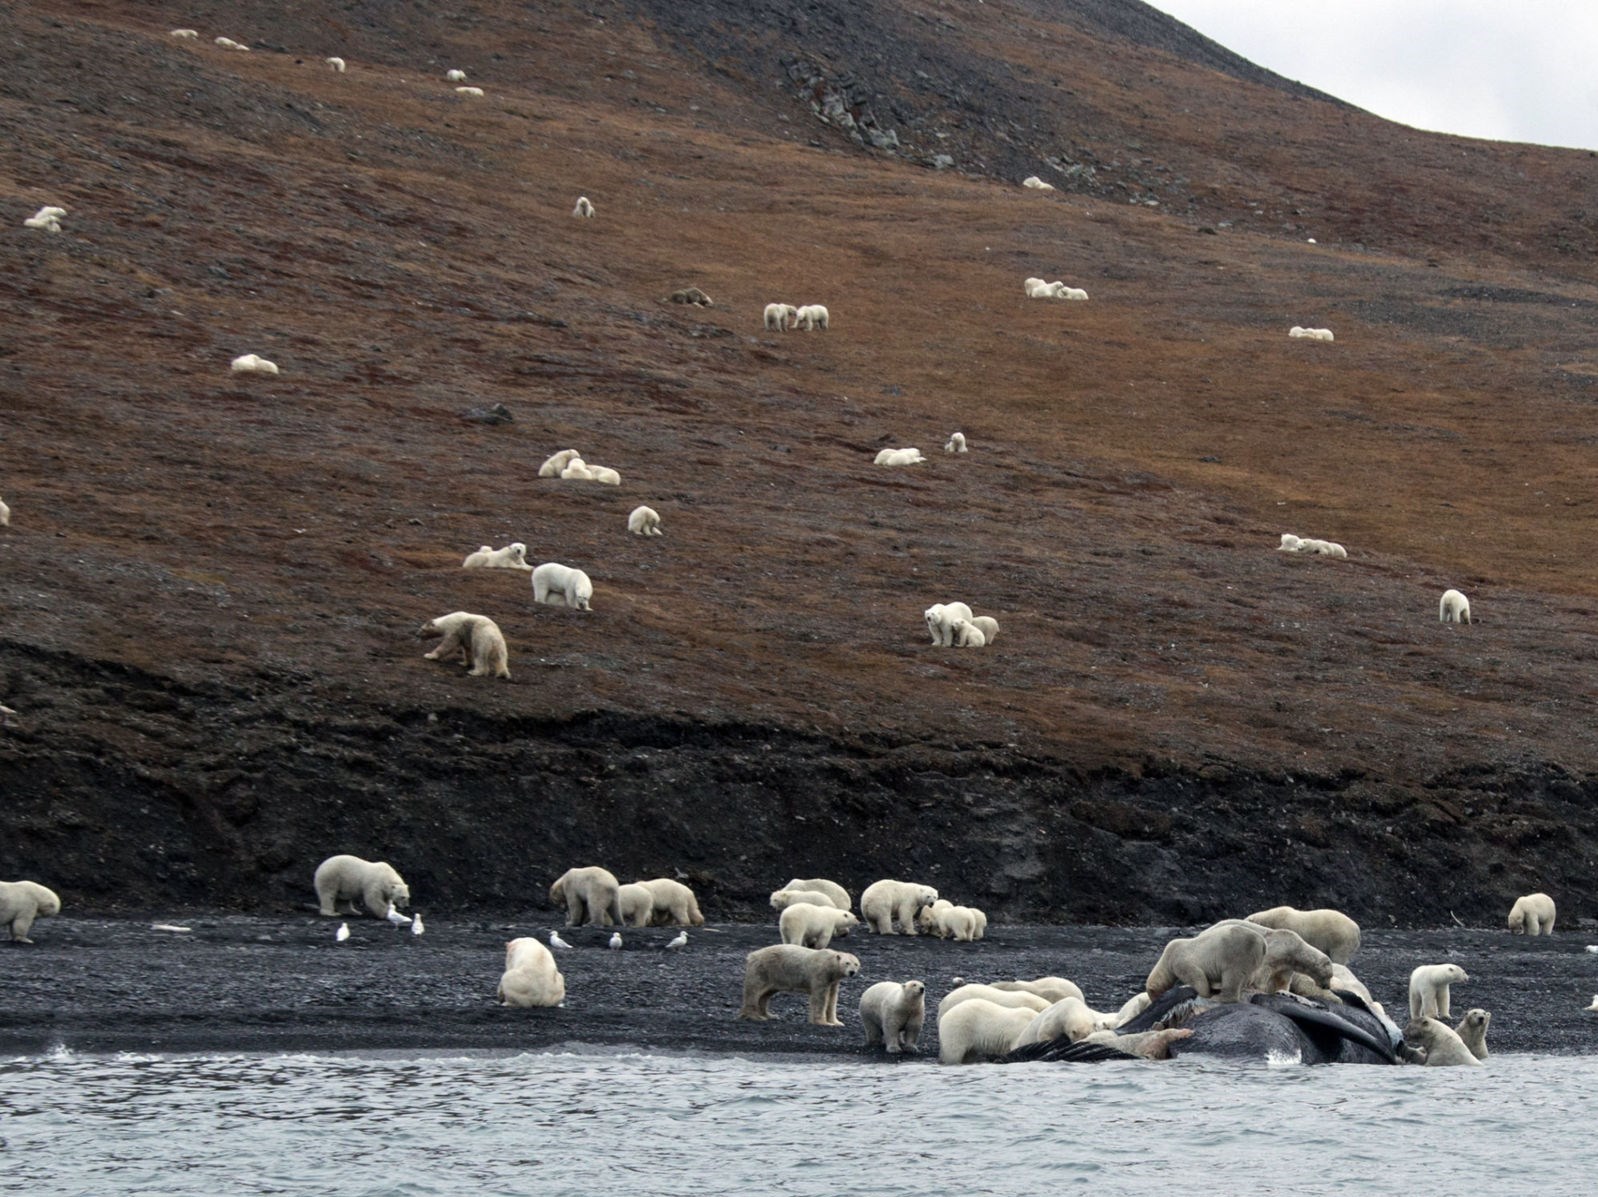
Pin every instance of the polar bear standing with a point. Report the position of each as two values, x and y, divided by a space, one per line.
1332 931
23 901
1428 990
1216 962
893 1014
637 905
344 878
1286 954
644 521
1533 914
789 968
589 894
531 977
883 902
673 904
477 637
941 618
814 926
562 586
980 1030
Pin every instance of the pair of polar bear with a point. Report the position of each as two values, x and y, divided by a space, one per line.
952 625
568 464
1236 954
1429 992
593 895
23 901
986 1022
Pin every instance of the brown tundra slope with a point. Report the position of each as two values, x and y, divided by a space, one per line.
212 584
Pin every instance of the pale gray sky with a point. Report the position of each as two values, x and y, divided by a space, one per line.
1512 70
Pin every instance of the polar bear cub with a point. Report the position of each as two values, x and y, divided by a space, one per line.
1428 989
644 521
562 586
512 556
814 926
1453 607
345 878
23 901
893 1013
1533 914
531 977
477 637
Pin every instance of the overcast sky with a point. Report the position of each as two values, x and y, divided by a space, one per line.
1513 70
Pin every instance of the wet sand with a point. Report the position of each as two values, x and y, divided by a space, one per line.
274 984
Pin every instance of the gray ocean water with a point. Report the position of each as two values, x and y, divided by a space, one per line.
600 1123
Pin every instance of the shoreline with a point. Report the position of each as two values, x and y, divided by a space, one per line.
249 983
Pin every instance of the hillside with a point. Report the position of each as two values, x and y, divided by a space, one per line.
212 583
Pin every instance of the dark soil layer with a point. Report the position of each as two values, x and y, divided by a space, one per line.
238 983
211 584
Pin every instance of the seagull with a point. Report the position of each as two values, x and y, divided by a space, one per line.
342 933
555 941
615 941
395 917
416 925
680 942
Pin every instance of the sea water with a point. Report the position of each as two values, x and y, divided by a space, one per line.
602 1122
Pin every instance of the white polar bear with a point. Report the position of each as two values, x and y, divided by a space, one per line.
988 626
512 556
814 926
885 901
1428 989
1015 998
1290 543
345 878
252 363
637 905
5 515
589 894
674 904
811 317
789 968
1533 914
1052 989
562 586
531 977
956 443
783 898
1332 931
941 619
583 208
644 521
948 921
1441 1043
1310 334
778 314
1453 607
980 1030
893 1013
839 895
477 637
1068 1019
899 457
1472 1031
1036 184
1218 961
23 901
1287 955
455 75
966 634
556 462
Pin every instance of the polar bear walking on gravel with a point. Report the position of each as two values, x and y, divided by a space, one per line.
893 1014
789 968
590 895
1532 914
345 878
476 637
887 901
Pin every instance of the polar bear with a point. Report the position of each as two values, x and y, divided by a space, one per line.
674 904
941 618
1440 1042
644 521
23 901
814 926
966 634
1332 931
481 643
973 991
562 586
1068 1019
893 1013
344 878
980 1030
531 977
589 895
884 901
1453 607
1428 989
637 905
1533 914
789 968
1472 1031
988 626
1050 989
1132 1007
781 899
512 556
1216 962
556 462
958 923
839 895
777 316
1286 954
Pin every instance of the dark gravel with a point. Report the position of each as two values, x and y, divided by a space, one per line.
236 983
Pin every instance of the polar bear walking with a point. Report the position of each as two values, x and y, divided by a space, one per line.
23 901
344 878
562 586
1453 607
481 643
